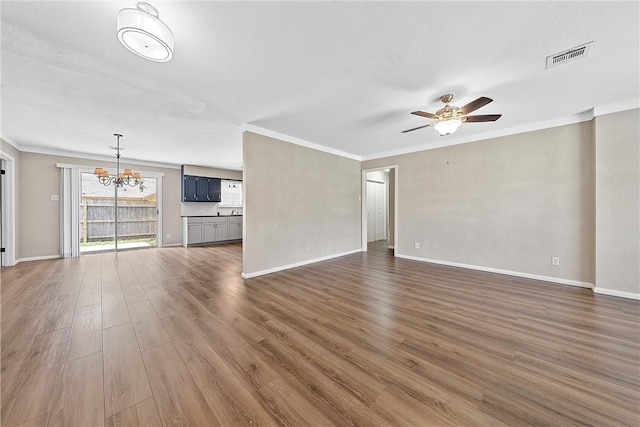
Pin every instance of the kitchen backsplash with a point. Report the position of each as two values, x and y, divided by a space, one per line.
206 209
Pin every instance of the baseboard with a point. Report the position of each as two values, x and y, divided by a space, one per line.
37 258
172 245
614 293
391 247
297 264
500 271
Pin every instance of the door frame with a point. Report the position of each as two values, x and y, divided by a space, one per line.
158 176
9 210
387 202
79 169
363 209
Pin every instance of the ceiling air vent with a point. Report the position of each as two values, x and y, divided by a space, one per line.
570 55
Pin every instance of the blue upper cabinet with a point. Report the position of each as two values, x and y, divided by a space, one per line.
200 189
214 192
202 185
189 188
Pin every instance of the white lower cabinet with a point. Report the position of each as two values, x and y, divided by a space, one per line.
235 228
211 229
194 230
215 229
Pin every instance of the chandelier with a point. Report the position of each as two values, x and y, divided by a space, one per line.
124 179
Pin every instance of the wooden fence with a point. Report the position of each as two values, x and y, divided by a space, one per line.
137 218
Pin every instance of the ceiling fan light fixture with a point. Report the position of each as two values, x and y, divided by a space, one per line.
449 118
142 32
447 127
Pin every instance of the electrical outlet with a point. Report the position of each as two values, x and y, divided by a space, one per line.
168 236
55 197
555 260
416 245
306 248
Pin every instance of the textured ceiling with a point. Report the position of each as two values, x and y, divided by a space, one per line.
344 75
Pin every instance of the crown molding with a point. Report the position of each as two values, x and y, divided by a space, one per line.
616 107
446 141
88 156
10 142
297 141
584 116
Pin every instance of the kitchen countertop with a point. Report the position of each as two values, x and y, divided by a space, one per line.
208 216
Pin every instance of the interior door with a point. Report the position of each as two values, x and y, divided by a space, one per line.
371 203
380 211
376 211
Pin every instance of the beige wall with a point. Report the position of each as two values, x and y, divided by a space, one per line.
296 196
10 150
39 232
212 172
508 203
617 201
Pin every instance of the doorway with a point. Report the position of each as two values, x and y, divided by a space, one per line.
136 217
8 253
377 217
379 206
2 208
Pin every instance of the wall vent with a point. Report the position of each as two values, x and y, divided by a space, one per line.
569 55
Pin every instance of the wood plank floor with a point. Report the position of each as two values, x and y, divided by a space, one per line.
174 336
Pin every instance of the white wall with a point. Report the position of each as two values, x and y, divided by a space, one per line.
618 204
509 203
294 197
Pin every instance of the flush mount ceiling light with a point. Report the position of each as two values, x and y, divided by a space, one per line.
143 33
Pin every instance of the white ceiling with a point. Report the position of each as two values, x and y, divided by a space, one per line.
344 75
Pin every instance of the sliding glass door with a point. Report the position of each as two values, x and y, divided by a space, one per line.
136 218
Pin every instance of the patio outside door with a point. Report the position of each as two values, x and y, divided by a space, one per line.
137 216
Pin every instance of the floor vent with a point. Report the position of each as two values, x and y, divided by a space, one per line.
570 55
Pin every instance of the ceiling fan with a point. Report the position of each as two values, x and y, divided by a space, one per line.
449 118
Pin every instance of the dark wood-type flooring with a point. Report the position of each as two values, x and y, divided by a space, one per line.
174 336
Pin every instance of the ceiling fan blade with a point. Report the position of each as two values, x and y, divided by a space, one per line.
423 114
419 127
482 118
474 105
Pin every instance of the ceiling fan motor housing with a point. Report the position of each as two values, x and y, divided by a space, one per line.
448 113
